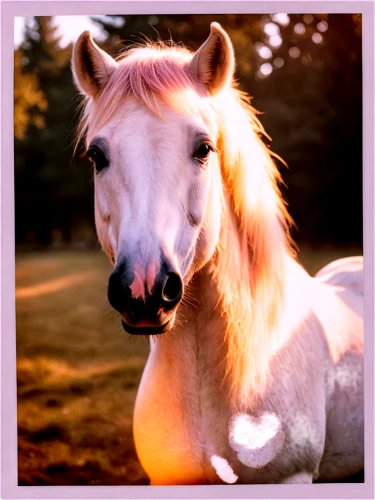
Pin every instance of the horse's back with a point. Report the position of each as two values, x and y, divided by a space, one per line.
339 305
346 273
338 301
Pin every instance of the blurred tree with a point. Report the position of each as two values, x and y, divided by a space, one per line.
52 194
29 101
313 110
41 47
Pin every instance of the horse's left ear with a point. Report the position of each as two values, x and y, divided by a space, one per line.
213 63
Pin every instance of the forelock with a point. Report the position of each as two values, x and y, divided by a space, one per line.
152 73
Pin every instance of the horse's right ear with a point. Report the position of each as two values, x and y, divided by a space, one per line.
91 66
213 63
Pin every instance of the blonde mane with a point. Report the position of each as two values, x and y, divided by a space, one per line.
250 259
251 276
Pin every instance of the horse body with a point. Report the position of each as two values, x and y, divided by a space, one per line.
257 377
186 409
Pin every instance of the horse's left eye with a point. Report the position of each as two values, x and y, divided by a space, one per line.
97 158
202 152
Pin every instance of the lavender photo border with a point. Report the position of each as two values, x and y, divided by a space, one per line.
9 487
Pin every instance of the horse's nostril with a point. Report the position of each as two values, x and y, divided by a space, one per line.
173 286
118 292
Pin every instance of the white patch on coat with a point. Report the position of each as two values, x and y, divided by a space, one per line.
257 440
223 469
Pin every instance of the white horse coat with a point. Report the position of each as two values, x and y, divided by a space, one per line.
258 376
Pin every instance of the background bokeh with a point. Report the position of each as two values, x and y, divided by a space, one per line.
78 372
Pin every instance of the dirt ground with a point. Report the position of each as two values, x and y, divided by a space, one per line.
78 372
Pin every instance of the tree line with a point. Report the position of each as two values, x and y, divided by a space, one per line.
304 71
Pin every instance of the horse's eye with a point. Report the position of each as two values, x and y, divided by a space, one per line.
97 158
202 152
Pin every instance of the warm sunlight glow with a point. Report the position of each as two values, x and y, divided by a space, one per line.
271 29
308 18
116 21
282 19
266 69
294 52
322 26
275 40
278 62
317 38
53 285
299 29
69 28
55 370
265 52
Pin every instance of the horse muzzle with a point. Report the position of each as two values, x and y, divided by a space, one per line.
145 309
148 328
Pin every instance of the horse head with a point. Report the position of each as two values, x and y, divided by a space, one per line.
152 137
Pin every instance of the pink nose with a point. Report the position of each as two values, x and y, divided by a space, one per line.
143 281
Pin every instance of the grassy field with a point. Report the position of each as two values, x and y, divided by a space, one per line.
78 372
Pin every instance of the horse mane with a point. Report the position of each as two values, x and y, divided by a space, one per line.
251 276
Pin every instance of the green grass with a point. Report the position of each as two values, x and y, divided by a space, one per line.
78 372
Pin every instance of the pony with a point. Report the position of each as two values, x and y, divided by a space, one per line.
255 371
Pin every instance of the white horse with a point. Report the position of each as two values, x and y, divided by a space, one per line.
258 376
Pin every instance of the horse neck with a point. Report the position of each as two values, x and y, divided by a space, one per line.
228 322
244 288
202 329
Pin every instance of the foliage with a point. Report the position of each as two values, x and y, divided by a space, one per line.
29 101
53 193
41 47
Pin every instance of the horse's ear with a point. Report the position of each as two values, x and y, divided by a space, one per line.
91 66
213 63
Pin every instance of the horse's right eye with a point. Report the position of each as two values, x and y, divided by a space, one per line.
201 154
97 158
203 151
